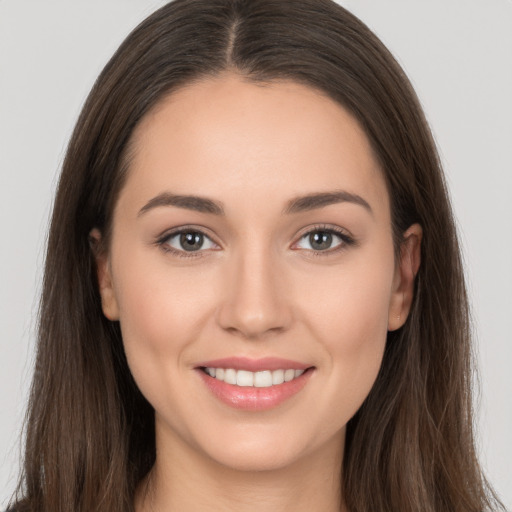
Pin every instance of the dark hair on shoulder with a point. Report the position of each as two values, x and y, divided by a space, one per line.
89 431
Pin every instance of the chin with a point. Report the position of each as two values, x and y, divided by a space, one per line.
263 451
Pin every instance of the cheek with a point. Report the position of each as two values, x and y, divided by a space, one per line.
162 311
349 318
349 301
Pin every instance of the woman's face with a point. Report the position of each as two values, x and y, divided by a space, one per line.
253 236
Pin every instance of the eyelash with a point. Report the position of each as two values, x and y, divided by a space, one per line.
346 241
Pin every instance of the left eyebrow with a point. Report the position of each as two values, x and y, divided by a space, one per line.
321 199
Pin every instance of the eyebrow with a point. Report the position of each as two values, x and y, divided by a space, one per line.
295 205
196 203
321 199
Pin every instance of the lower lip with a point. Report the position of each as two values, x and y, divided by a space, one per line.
252 398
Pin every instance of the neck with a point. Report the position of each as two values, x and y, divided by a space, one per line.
185 480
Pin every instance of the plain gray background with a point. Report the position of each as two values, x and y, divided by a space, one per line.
458 54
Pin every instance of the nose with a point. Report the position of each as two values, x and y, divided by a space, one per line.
255 301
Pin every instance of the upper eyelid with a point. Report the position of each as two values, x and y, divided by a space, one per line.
346 239
324 227
169 233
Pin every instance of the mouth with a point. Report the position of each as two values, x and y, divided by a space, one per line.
260 379
254 385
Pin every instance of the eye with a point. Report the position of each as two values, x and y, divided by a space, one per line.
186 241
324 240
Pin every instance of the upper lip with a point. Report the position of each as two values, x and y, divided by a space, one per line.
254 365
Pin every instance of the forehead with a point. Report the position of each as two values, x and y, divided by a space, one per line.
225 137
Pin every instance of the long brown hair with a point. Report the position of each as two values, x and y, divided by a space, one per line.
89 432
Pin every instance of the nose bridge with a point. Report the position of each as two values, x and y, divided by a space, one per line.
254 301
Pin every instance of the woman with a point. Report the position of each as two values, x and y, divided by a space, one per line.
253 294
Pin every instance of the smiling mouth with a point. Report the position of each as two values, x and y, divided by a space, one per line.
254 385
260 379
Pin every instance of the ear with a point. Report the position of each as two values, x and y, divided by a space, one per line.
405 272
104 273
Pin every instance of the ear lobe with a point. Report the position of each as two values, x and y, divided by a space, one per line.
405 273
104 274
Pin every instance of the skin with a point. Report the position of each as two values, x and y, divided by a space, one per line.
257 288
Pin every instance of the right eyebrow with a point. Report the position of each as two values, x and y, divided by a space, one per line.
196 203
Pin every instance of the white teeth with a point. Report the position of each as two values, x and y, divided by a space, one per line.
244 378
230 376
277 376
263 379
289 375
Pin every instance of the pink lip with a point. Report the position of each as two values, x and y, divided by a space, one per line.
253 398
254 365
